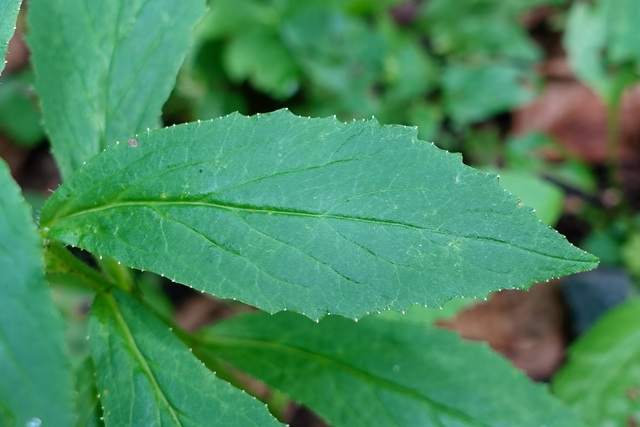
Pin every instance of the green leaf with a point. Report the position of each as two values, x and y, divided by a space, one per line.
541 195
377 373
427 316
147 376
9 10
19 116
601 379
36 382
475 28
474 93
87 401
602 44
104 68
534 191
313 215
259 55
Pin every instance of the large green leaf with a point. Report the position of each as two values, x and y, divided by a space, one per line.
147 376
105 68
601 379
35 382
8 15
378 373
314 215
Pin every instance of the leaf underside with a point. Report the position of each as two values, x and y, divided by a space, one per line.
311 215
105 68
147 376
35 382
375 373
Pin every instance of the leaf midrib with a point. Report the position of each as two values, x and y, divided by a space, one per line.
139 356
335 364
299 213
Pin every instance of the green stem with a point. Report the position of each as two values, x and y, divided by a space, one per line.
63 268
119 273
613 144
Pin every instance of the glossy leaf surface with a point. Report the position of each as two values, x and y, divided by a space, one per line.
147 376
377 373
601 379
311 215
35 382
105 68
8 15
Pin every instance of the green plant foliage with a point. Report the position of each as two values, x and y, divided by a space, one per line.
480 28
602 42
9 10
601 379
146 373
115 77
328 218
544 197
474 93
376 373
19 117
427 316
630 253
527 153
36 382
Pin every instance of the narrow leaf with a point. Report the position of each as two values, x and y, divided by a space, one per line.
35 382
8 15
105 68
376 373
147 376
314 215
601 379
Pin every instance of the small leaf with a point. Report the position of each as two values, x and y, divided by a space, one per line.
104 68
474 93
313 215
378 373
601 40
601 380
35 382
8 15
147 376
19 116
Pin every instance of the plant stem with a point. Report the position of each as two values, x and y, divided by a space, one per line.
613 144
119 273
63 268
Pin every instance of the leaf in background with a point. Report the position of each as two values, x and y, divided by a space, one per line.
35 381
541 195
624 38
427 316
479 27
601 42
375 373
313 215
472 94
259 56
601 379
104 68
19 116
147 376
8 15
340 55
